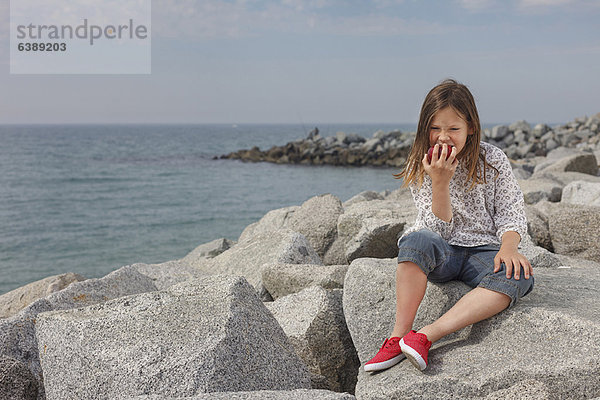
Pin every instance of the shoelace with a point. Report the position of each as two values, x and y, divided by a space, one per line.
389 342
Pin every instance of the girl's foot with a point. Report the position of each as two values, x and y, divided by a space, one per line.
388 356
415 346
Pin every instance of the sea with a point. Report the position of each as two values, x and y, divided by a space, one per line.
92 198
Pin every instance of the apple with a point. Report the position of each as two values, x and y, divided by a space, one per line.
430 152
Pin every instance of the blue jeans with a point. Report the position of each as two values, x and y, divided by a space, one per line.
442 262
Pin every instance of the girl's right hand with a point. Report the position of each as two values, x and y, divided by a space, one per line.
441 168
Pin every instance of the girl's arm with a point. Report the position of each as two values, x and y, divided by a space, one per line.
441 170
432 199
423 197
440 201
509 206
509 218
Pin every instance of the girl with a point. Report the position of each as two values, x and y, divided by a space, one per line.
469 224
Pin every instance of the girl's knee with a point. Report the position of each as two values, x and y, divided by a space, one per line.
425 248
420 238
515 289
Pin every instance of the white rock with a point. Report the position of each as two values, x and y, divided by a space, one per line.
499 132
581 192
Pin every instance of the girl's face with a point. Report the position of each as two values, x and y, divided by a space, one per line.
448 127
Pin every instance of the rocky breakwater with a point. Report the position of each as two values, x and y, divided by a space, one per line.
388 149
519 140
304 297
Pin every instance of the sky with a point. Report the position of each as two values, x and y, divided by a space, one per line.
331 61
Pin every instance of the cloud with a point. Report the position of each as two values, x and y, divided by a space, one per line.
302 5
529 6
378 25
386 3
208 19
578 7
543 3
202 19
477 5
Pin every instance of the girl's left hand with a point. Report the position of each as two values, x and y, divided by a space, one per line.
513 261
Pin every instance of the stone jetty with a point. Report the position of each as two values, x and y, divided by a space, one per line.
384 149
519 140
294 307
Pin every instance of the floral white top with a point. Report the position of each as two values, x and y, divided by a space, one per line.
480 215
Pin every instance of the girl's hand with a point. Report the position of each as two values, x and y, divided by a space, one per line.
514 262
440 169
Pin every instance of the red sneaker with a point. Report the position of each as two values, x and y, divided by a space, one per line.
388 356
416 348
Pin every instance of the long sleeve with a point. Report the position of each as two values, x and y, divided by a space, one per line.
425 217
509 206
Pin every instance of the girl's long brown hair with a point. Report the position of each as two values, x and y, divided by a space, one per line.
452 94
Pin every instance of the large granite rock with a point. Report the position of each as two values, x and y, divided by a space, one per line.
124 281
16 380
401 195
564 178
17 338
336 254
208 250
367 195
271 221
372 228
574 230
314 321
550 337
207 335
529 389
582 192
16 300
536 190
317 220
584 162
537 227
298 394
169 273
499 132
558 154
538 256
247 257
283 279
